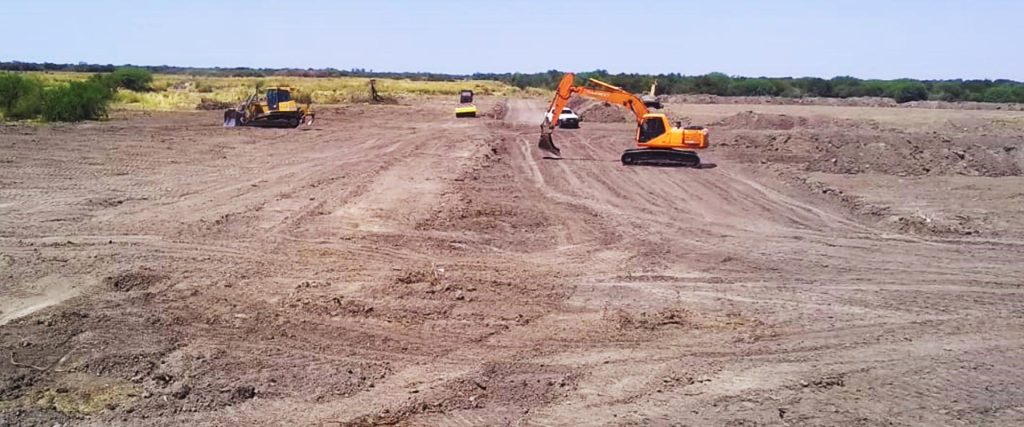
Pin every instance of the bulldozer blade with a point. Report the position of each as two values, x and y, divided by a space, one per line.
230 118
547 144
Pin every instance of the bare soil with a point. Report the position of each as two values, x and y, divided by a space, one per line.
393 265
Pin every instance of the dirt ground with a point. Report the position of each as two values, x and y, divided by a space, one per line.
393 265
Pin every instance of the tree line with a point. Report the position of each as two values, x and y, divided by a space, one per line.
901 90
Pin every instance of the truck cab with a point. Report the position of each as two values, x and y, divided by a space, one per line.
567 119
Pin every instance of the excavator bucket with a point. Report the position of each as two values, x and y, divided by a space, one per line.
562 94
547 144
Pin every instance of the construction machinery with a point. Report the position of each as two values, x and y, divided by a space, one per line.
466 107
651 99
275 108
658 143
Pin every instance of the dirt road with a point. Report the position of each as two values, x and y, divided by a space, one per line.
434 271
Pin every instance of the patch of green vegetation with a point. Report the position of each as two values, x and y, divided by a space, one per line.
21 97
130 78
64 97
76 101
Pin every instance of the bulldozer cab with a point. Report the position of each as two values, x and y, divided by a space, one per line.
276 96
466 97
650 128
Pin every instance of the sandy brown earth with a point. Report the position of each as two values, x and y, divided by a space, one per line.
392 265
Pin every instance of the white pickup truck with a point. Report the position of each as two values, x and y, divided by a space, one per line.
568 119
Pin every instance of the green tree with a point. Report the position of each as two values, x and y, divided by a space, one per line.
948 91
814 86
752 87
999 94
845 86
906 91
714 84
131 78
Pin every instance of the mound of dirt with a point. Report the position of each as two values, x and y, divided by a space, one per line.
206 104
577 103
855 151
944 105
605 113
132 281
498 111
759 121
916 154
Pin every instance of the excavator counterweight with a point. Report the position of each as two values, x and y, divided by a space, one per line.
658 142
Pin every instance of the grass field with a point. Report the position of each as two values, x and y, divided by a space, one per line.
183 92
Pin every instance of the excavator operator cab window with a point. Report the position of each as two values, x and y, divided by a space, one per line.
466 97
650 129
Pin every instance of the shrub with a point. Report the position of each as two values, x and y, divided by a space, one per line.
907 91
814 86
999 94
20 97
714 84
752 87
76 101
131 78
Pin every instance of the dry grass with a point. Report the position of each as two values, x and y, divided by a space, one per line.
183 92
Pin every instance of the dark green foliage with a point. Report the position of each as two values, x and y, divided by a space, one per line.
76 101
999 94
754 87
812 86
714 84
947 91
906 91
131 78
20 97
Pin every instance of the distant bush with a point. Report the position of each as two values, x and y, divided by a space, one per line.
753 87
20 97
76 101
907 91
131 78
1000 94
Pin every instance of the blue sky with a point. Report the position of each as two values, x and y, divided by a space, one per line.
866 38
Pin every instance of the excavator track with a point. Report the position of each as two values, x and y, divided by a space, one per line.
660 157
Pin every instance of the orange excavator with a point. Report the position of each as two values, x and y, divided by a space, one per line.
658 143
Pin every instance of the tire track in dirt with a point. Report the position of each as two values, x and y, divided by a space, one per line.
466 280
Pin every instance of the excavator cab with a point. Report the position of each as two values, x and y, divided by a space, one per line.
650 128
466 97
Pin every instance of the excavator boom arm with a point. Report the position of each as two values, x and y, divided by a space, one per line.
598 90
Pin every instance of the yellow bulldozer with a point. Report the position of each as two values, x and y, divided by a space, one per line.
275 108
